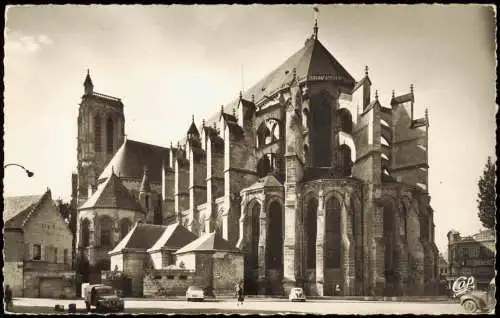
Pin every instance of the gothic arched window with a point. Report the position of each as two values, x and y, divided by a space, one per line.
275 237
98 133
125 226
345 120
332 233
268 163
106 231
268 132
109 135
85 232
311 230
345 159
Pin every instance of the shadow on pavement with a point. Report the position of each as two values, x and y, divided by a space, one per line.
186 311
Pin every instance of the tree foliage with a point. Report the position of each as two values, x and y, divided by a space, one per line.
486 196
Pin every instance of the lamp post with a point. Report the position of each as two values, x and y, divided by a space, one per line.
29 173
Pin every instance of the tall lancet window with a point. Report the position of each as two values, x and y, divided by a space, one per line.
98 133
109 135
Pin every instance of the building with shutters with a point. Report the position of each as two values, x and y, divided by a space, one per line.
472 255
316 179
37 248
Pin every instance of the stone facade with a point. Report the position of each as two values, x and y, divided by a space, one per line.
37 248
473 255
315 178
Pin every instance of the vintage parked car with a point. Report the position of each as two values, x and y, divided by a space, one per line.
194 293
480 300
297 294
103 298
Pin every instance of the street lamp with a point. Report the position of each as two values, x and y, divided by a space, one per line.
29 173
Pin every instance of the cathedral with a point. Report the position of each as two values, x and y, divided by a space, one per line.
317 181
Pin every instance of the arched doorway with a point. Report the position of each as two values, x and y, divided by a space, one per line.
252 233
274 255
332 261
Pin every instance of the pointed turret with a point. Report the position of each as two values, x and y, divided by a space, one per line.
88 85
145 186
193 132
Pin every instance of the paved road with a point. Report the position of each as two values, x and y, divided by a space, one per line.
272 305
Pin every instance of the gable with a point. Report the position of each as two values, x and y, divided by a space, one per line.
46 216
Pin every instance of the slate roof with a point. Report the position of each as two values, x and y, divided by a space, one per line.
265 182
211 242
112 194
312 59
193 130
17 209
130 160
141 237
174 237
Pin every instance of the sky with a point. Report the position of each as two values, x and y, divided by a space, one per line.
169 62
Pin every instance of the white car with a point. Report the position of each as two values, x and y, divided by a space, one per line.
195 293
297 294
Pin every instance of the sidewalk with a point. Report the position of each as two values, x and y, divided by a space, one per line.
284 298
262 298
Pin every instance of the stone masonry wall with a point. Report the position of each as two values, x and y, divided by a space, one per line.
13 276
167 282
228 269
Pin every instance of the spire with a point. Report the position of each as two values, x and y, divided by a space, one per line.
234 112
88 85
366 70
411 88
145 187
193 131
315 29
393 94
241 95
376 95
203 123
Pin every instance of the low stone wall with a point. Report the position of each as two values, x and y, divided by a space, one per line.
32 280
167 282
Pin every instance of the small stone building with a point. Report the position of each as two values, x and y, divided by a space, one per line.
218 266
130 255
173 238
37 248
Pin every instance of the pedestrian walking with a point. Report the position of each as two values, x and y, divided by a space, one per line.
241 294
8 298
237 293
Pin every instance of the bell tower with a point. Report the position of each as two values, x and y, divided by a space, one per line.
101 130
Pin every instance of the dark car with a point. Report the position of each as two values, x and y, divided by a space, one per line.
480 300
103 298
